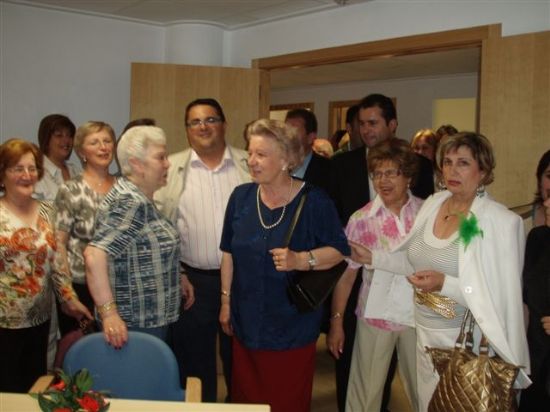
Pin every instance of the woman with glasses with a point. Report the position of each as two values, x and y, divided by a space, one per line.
463 253
76 204
385 313
28 263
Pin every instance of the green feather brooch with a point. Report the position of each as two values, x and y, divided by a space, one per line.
468 229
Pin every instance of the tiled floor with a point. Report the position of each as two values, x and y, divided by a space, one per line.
324 389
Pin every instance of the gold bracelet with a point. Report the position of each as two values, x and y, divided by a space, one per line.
226 293
337 315
106 307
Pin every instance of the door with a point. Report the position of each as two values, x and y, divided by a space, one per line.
162 91
514 111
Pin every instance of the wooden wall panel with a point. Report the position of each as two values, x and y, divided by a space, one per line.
514 111
162 91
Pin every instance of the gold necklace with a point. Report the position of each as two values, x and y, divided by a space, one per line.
453 214
267 227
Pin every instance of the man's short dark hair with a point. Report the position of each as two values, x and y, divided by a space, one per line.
143 121
352 113
383 102
205 102
310 121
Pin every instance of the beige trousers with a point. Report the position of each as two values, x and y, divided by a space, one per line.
372 352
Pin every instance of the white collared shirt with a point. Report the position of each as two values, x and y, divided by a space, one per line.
201 209
46 188
385 300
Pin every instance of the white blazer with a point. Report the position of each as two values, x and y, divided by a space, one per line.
489 276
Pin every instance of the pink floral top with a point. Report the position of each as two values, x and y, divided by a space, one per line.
27 259
378 228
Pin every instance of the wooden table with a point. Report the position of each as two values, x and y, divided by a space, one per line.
22 402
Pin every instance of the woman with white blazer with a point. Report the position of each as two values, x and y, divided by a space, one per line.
465 251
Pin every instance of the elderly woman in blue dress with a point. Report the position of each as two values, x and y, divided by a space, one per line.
464 252
132 262
274 344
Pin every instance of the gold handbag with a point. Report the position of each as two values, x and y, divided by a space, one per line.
471 382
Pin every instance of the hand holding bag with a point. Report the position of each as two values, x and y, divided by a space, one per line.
471 382
307 290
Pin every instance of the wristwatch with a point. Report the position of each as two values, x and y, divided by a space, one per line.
312 261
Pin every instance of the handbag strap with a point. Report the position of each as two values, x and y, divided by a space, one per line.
295 218
466 336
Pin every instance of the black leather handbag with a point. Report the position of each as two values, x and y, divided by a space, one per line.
308 289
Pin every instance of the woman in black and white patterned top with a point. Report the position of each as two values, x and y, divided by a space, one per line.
76 204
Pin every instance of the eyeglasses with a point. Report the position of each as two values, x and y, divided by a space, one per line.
20 170
389 174
209 121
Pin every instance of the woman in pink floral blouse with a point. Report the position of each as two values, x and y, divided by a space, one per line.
385 317
27 266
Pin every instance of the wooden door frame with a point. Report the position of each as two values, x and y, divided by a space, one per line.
399 46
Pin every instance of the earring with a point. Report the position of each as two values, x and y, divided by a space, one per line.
441 185
480 191
84 159
283 168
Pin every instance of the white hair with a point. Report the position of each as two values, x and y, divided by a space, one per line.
134 143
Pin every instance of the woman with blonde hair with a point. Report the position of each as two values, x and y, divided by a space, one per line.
424 143
274 344
76 204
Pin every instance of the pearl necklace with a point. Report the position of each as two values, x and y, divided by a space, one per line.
267 227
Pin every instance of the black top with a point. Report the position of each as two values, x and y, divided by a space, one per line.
318 171
536 293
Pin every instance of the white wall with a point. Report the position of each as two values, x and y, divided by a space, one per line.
53 61
199 44
74 64
382 19
414 98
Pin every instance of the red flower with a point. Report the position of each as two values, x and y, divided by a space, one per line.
59 386
89 403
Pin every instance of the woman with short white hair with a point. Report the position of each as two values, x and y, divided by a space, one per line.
132 262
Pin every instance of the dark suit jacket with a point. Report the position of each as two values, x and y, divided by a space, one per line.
318 171
536 294
349 182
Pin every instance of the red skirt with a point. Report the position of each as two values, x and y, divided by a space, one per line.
282 379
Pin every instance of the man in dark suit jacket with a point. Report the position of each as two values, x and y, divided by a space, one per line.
315 169
350 190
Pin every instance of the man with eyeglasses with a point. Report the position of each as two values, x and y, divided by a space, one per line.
351 188
200 182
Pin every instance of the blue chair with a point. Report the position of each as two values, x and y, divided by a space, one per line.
144 368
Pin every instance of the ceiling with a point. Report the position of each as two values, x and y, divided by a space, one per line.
228 14
233 14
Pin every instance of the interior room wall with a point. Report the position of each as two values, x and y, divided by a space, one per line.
79 65
54 61
198 44
461 113
382 19
414 98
